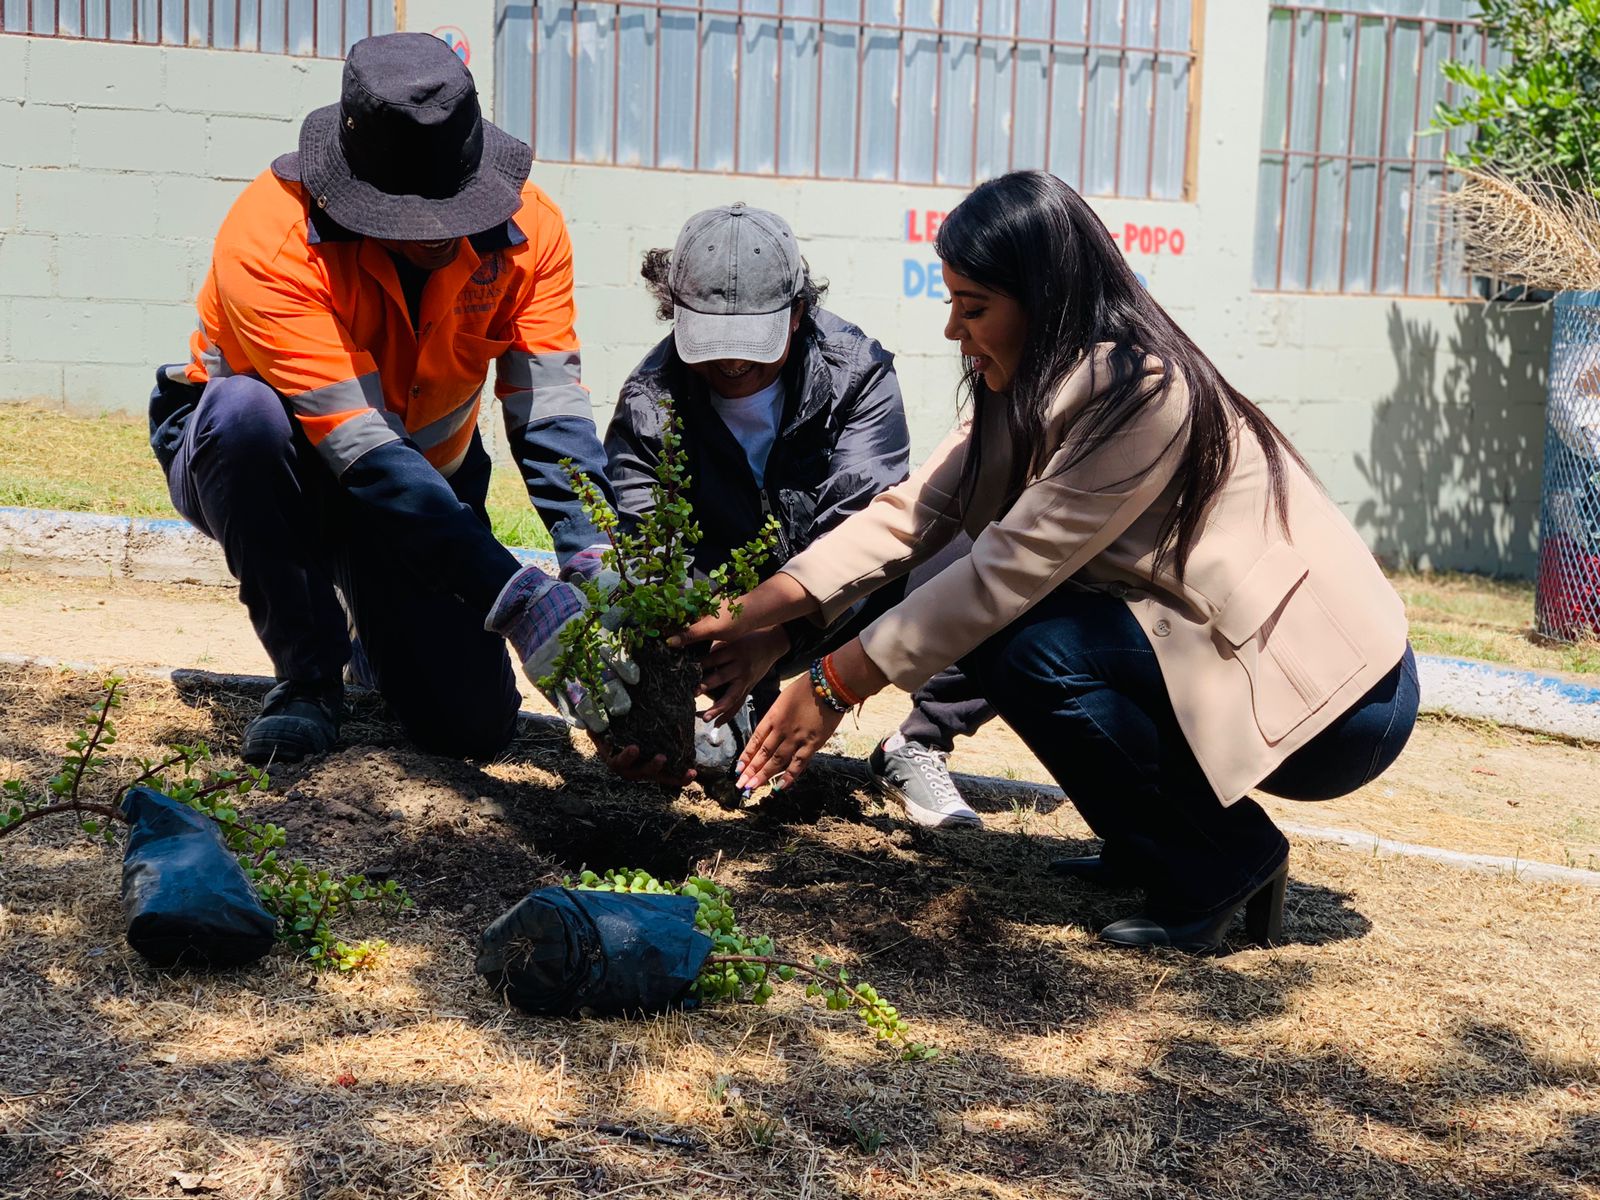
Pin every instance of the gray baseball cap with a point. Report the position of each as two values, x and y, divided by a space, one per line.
735 274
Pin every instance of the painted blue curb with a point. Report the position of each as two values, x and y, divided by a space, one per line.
1509 696
1555 685
167 550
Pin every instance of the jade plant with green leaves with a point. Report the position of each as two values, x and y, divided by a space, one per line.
309 902
742 967
647 590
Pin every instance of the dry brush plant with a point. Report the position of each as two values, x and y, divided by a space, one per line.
1526 230
309 902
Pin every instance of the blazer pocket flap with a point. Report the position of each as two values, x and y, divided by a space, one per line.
1261 593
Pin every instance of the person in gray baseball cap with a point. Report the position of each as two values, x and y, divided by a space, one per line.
788 411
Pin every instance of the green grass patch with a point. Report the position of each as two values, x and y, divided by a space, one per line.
103 464
79 464
1473 616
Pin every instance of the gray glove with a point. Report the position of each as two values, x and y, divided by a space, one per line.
530 613
717 747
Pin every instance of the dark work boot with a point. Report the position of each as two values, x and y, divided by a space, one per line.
296 721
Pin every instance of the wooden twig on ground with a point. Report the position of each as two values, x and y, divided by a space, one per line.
628 1132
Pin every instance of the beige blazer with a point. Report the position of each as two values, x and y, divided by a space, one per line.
1268 638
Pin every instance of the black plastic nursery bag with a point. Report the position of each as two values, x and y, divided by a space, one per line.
186 900
560 951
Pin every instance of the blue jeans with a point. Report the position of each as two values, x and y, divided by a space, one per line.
240 470
1078 681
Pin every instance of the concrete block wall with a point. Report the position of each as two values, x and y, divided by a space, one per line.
117 163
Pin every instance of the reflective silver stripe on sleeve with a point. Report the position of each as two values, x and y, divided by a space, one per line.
528 372
568 400
210 360
216 367
364 391
435 433
349 440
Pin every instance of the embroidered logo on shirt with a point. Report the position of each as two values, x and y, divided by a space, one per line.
488 270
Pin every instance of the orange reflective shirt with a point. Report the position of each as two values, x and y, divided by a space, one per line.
320 316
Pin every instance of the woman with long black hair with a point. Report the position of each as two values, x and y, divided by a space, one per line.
1159 598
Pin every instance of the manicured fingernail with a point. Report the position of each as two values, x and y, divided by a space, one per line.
675 642
777 787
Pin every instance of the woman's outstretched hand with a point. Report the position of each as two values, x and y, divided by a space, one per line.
731 670
777 600
794 729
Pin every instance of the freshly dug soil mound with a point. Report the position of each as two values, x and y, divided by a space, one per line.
662 718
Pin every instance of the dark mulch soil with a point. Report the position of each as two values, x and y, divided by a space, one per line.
1426 1032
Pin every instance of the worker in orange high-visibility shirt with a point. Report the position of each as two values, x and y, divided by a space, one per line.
325 429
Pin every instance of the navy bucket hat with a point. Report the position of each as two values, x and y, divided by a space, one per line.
406 153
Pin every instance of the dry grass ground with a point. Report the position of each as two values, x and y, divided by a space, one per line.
1468 787
1426 1032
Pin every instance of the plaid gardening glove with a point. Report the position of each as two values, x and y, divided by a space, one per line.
530 613
589 566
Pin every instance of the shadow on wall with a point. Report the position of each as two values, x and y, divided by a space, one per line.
1458 446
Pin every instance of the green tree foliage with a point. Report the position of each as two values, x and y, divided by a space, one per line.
651 592
1538 115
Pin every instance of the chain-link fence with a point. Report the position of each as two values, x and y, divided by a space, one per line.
1568 602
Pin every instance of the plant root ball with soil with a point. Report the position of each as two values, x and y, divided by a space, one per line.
661 720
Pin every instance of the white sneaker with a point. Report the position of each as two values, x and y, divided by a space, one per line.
919 777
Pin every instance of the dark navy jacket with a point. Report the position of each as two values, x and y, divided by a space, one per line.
842 439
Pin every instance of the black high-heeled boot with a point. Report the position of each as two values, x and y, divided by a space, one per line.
1202 933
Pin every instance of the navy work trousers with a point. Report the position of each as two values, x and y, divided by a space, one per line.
242 472
1077 679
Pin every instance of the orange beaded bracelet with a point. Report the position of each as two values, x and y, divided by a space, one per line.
837 685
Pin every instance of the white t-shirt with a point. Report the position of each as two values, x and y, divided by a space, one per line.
754 421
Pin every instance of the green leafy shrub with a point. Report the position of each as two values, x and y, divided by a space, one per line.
1538 115
742 968
651 592
308 902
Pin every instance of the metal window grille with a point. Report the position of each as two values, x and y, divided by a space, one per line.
305 28
1102 92
1349 170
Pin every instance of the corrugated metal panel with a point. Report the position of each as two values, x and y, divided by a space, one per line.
919 91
